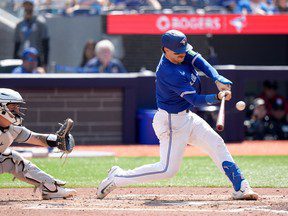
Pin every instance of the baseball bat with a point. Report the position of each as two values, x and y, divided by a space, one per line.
221 116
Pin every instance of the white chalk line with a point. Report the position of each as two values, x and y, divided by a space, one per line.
190 196
160 199
233 210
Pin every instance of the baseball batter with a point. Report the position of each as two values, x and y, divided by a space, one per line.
178 89
12 162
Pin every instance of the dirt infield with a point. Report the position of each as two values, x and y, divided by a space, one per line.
145 201
155 201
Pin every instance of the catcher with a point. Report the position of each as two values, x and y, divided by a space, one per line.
11 130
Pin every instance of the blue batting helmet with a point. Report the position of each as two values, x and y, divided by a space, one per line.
175 41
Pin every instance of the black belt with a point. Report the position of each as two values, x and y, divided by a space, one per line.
187 111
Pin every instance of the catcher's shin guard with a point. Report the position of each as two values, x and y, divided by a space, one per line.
12 162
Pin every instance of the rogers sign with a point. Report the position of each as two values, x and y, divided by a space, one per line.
195 24
164 23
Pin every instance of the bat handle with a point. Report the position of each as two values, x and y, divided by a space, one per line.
221 116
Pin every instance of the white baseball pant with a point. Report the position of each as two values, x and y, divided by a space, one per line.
174 132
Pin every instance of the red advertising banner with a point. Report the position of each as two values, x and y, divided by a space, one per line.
197 24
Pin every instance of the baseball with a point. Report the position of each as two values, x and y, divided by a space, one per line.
240 105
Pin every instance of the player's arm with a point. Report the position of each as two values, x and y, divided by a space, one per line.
182 87
198 61
199 100
24 135
45 140
62 139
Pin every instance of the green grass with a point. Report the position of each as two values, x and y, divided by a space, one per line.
261 171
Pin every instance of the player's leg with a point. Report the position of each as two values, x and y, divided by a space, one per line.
207 139
173 133
22 169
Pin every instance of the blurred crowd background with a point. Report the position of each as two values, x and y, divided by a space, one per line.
96 7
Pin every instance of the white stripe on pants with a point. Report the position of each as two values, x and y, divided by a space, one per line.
174 132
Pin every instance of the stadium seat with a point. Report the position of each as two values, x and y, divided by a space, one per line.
183 9
148 10
167 11
81 12
215 10
215 2
199 4
52 11
115 12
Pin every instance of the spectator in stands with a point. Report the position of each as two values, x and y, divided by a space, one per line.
85 7
88 52
270 6
281 6
30 61
257 126
32 31
135 4
104 61
51 7
230 5
252 7
279 123
270 95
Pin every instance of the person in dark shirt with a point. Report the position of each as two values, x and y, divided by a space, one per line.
270 94
257 126
88 52
136 4
281 6
279 123
104 61
32 31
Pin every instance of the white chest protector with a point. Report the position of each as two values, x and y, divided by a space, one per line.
13 133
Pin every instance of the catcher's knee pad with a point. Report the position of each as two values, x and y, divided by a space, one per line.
12 161
28 172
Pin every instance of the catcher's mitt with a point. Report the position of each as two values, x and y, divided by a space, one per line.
65 140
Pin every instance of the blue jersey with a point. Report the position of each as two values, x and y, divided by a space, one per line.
22 70
114 66
178 86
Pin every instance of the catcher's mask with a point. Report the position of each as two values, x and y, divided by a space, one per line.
10 106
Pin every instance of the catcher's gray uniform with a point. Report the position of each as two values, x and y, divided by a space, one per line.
12 162
11 129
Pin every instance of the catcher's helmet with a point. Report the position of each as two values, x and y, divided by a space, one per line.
9 96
